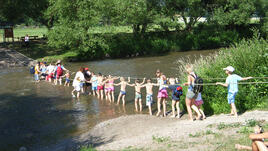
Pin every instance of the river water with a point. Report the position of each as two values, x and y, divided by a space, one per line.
39 115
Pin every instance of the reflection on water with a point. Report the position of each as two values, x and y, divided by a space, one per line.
38 115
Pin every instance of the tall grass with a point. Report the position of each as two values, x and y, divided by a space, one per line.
249 58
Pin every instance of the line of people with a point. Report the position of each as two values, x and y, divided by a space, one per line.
103 87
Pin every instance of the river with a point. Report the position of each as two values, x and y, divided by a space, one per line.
39 115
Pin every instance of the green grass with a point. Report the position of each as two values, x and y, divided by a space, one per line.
21 32
40 51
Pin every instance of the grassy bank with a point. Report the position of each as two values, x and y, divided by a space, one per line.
31 31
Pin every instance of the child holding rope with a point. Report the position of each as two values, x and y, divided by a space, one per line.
149 94
231 83
137 86
122 93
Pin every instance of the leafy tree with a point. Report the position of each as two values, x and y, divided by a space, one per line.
233 12
18 11
138 13
190 11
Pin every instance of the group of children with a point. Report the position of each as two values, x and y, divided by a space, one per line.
51 73
104 86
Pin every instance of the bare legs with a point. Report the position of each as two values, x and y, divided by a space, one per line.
189 110
136 104
159 101
123 99
175 103
233 109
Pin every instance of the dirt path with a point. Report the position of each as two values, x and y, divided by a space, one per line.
140 131
12 58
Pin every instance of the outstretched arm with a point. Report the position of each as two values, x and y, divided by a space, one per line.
223 84
247 78
143 81
117 84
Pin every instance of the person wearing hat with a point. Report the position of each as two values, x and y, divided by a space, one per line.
232 84
59 72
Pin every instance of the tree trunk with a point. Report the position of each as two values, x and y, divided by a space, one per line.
144 27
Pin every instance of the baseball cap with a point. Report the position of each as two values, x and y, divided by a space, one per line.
86 68
229 68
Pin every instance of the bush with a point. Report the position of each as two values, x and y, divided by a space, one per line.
118 45
249 58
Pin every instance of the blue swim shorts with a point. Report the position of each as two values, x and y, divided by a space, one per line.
231 97
123 92
149 99
94 88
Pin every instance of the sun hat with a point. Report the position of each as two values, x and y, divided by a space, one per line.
229 68
58 62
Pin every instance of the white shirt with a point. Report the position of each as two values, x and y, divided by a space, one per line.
50 69
26 39
81 76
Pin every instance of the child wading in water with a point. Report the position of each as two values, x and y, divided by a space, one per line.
149 94
138 86
231 83
110 87
100 87
122 93
67 78
94 81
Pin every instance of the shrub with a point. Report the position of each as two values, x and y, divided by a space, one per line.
249 58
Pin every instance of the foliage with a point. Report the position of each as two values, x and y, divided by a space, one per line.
18 11
234 12
249 58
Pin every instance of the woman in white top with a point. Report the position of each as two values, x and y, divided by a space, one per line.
78 82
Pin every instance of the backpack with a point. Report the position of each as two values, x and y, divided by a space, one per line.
32 70
197 87
59 71
178 92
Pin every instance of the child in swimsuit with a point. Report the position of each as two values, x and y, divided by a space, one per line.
94 81
122 93
100 86
137 86
149 94
67 79
110 87
106 89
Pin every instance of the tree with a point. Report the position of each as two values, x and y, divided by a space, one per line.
190 11
233 12
17 11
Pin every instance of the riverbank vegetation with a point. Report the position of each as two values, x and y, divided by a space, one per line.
95 29
249 58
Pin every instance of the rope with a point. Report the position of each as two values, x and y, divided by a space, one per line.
240 83
225 78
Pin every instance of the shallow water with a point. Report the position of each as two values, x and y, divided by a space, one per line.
40 115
